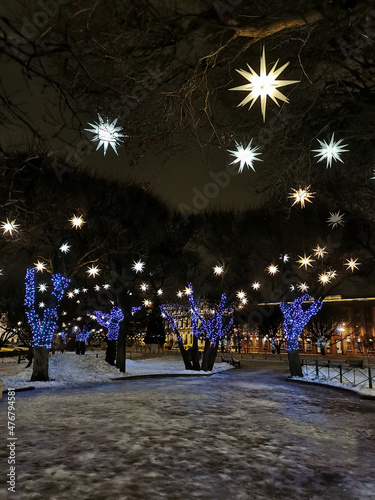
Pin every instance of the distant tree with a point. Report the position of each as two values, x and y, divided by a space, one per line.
271 327
155 333
322 327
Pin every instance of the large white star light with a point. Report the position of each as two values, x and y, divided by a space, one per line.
301 196
106 134
245 156
330 151
9 227
138 266
263 85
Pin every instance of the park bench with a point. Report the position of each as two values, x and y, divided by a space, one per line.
230 359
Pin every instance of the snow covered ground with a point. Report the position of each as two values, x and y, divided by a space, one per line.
67 370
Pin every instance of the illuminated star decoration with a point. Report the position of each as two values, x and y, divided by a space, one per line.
147 303
352 264
301 196
218 270
77 221
144 287
70 295
302 287
284 257
272 269
332 274
245 156
97 288
42 287
324 278
335 219
330 151
9 227
373 171
160 291
40 266
179 294
106 133
188 291
42 305
241 295
319 251
106 286
263 85
255 285
93 271
1 272
305 261
138 266
65 247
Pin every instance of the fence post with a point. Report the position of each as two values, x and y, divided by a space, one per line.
369 377
317 368
340 373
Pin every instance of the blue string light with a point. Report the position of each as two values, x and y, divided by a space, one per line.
295 319
44 330
110 321
82 334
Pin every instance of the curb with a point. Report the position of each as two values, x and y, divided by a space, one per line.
321 384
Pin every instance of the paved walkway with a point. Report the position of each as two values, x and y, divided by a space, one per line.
243 434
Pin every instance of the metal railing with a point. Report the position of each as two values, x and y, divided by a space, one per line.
337 372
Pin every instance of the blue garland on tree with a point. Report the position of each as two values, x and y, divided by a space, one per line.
110 321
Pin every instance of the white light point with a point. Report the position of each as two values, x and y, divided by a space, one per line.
319 251
272 269
106 286
284 257
244 301
335 219
305 261
138 266
42 305
77 222
42 287
106 134
160 291
188 291
331 151
79 318
144 287
65 247
301 196
96 288
147 303
324 278
263 85
85 290
352 264
76 291
9 227
70 295
245 156
291 288
218 270
241 295
93 271
180 294
302 287
255 285
39 266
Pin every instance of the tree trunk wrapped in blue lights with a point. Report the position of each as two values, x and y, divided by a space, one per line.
295 319
213 327
43 330
112 323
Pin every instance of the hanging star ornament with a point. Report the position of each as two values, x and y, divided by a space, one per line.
65 247
255 285
301 196
263 85
330 151
245 156
302 287
77 222
305 261
335 219
352 264
138 266
106 134
218 270
93 271
272 269
9 227
319 251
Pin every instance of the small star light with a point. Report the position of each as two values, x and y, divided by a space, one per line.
65 247
255 285
179 294
42 305
245 156
188 291
324 278
160 291
106 133
218 270
352 264
284 257
1 272
330 151
263 85
302 287
107 286
147 303
301 196
319 251
272 269
97 288
335 219
9 227
244 301
70 295
138 266
40 266
76 291
79 318
291 288
144 287
305 261
332 274
241 295
42 287
373 171
85 290
93 271
77 222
